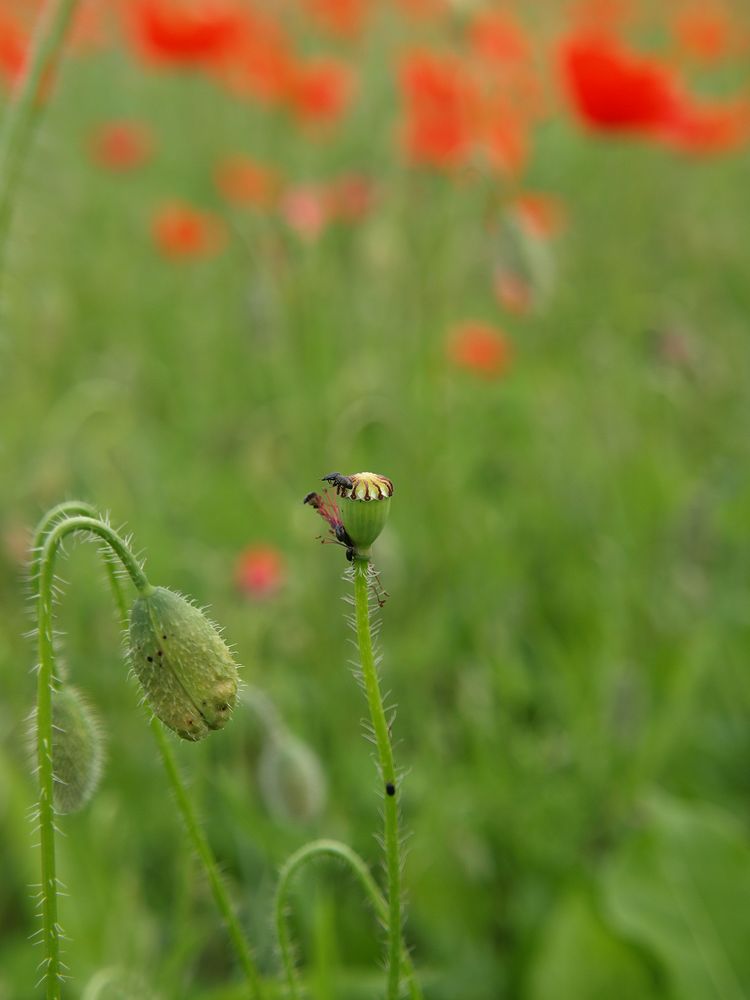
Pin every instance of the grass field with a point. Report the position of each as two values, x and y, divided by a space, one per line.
567 555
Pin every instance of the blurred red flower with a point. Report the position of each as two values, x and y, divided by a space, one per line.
259 571
442 105
305 209
344 18
613 89
189 34
181 231
704 32
497 37
245 181
480 348
13 44
320 90
263 61
121 145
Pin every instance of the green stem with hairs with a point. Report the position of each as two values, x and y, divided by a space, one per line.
387 772
327 848
23 112
61 521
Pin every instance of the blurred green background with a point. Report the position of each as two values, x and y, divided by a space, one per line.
567 558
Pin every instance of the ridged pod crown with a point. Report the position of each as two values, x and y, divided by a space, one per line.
187 672
77 749
365 508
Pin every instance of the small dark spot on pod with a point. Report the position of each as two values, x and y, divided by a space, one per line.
390 789
160 653
164 637
150 659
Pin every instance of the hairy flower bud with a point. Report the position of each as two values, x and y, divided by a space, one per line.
188 674
291 779
77 749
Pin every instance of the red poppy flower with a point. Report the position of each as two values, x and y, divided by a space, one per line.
343 18
480 348
13 44
262 64
710 127
613 89
246 182
121 145
305 210
181 231
442 106
320 90
497 37
201 32
259 571
704 32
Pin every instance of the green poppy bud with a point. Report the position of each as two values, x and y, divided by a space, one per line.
291 779
77 749
187 671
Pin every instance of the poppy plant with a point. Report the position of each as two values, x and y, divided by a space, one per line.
181 231
479 348
202 32
244 181
121 145
320 90
259 571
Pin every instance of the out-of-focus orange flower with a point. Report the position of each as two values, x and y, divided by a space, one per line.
13 43
704 32
506 139
262 62
513 291
542 215
613 89
480 348
343 18
202 32
603 14
304 208
441 108
121 145
320 90
710 127
181 231
259 571
245 181
497 37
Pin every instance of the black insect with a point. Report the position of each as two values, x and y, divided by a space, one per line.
312 498
342 483
390 789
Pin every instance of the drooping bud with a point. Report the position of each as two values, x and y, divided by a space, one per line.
291 779
187 671
77 749
364 509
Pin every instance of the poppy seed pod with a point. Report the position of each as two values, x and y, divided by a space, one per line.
77 749
364 509
187 671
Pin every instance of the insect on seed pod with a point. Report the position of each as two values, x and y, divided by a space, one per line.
364 509
188 674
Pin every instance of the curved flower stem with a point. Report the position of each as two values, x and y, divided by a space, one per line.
50 534
21 116
330 848
387 772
